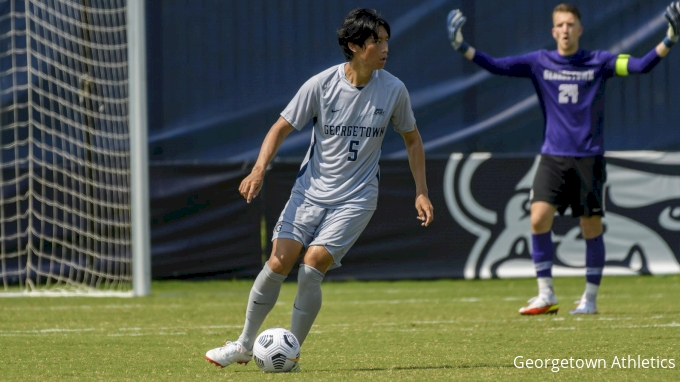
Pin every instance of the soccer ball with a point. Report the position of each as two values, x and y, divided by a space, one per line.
276 350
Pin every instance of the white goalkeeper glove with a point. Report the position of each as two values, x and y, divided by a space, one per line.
672 14
454 24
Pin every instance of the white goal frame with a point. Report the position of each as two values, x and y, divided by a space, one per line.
133 250
139 155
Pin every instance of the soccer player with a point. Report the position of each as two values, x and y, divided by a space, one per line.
570 83
336 190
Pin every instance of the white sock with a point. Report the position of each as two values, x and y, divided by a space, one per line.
545 286
591 292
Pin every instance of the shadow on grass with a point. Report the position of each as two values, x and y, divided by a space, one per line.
405 368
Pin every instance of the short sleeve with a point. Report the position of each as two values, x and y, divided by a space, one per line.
403 120
304 106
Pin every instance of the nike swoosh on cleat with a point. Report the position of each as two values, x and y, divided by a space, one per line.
259 303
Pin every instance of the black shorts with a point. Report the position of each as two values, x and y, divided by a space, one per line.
571 181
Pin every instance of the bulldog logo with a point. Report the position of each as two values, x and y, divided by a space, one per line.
489 197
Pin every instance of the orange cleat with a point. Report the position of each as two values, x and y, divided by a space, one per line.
540 305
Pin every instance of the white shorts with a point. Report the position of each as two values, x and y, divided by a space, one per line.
336 229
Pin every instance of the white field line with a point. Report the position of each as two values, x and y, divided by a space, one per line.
121 306
243 302
477 329
425 326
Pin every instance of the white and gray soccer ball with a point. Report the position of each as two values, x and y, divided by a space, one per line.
276 350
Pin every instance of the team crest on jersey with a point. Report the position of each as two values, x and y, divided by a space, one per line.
489 197
378 112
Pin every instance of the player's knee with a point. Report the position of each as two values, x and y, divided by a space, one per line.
282 263
540 223
319 258
542 215
285 253
591 227
277 266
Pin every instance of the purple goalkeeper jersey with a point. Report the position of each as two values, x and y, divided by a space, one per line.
570 91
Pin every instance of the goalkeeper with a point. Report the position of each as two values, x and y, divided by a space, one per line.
570 83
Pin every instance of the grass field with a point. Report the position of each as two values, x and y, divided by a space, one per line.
378 331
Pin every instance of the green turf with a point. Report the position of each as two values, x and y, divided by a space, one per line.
378 331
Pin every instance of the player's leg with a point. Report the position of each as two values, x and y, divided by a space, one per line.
307 303
593 176
294 229
592 229
267 286
542 253
262 298
339 230
546 197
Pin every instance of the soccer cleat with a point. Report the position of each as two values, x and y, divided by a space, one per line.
584 307
228 354
540 305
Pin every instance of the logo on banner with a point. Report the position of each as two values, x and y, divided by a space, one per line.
489 197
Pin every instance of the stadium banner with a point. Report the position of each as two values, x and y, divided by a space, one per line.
482 222
200 225
488 196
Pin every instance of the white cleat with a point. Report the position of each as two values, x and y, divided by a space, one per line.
228 354
540 305
584 307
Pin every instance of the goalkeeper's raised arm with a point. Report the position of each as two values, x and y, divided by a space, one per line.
516 66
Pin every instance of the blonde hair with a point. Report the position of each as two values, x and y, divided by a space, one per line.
569 9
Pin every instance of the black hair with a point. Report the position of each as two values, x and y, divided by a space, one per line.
359 25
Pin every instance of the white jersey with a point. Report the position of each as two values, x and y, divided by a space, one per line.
341 165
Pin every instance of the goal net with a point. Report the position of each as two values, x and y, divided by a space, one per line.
65 221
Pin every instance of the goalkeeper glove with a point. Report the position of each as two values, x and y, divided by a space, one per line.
454 24
672 14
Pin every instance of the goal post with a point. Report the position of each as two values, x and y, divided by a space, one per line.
74 165
141 248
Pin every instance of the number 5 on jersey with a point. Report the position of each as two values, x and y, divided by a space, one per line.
353 150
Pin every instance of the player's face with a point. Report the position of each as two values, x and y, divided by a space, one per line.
566 31
374 52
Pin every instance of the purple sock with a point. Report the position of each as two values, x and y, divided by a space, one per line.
594 259
542 253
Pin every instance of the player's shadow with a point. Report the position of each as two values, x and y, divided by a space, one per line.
438 367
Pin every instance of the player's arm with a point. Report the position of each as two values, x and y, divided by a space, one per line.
625 64
518 66
454 25
672 14
416 160
252 184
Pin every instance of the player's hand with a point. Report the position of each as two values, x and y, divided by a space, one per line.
454 24
425 210
672 14
251 186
